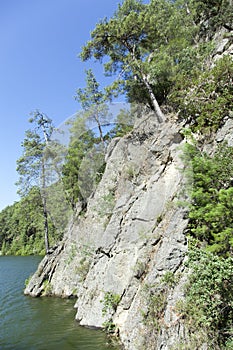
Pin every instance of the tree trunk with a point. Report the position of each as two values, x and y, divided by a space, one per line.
159 113
100 131
46 226
45 212
96 117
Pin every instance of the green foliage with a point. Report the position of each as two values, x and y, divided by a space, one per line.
169 279
59 209
72 254
212 14
22 227
206 98
156 302
82 141
106 205
26 282
84 263
108 202
90 134
30 164
37 157
47 288
110 303
109 326
139 269
83 268
90 95
209 295
124 122
211 209
208 302
156 297
93 102
141 41
85 161
160 50
229 344
130 172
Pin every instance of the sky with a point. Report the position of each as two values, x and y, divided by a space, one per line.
39 69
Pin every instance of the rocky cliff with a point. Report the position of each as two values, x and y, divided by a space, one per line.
123 258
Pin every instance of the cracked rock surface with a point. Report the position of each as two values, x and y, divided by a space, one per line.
125 243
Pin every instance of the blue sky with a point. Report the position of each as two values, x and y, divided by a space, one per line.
39 69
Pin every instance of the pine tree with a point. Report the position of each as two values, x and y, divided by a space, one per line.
31 166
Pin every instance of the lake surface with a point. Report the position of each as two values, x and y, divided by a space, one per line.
39 323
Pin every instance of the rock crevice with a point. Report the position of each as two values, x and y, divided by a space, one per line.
125 247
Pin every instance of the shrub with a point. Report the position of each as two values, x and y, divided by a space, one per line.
209 296
205 99
110 303
211 208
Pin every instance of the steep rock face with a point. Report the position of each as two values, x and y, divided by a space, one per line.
224 43
130 243
130 238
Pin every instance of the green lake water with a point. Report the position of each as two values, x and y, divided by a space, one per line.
39 323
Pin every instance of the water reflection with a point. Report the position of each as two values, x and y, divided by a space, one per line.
39 323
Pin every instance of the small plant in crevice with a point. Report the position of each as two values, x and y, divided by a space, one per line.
193 341
84 263
159 218
27 280
170 279
74 291
108 202
47 288
156 297
106 206
109 326
110 303
139 269
156 302
131 172
83 268
72 254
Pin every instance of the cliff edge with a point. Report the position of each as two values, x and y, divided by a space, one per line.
123 258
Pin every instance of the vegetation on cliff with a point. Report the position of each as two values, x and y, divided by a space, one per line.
210 236
160 55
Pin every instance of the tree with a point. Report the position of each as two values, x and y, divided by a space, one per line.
211 14
31 165
143 44
93 102
22 226
81 141
85 158
125 120
125 38
211 209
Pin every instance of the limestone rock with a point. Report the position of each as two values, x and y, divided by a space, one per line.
131 237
